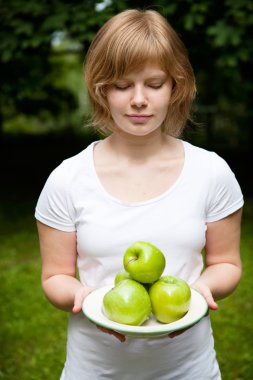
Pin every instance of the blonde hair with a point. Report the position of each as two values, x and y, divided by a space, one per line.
128 41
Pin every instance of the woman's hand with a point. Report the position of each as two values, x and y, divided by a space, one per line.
206 293
80 296
83 292
204 290
119 336
200 287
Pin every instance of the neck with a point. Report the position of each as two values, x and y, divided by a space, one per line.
138 148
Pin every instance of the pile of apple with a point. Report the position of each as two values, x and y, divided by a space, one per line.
139 289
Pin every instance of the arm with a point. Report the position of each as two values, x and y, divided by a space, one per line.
222 260
59 282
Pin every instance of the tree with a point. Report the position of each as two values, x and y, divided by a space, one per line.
217 35
28 72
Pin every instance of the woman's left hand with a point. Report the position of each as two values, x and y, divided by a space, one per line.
204 290
206 293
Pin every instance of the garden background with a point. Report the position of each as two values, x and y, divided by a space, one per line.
43 111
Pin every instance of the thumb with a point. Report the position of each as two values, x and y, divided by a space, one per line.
80 295
210 301
78 301
206 293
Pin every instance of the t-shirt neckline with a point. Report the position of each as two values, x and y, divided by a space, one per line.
138 203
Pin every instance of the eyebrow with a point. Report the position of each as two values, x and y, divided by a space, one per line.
158 77
153 77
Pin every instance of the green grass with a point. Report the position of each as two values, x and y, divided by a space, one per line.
33 333
233 322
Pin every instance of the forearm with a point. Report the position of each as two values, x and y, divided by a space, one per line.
221 279
60 290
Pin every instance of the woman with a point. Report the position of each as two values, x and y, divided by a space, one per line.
140 183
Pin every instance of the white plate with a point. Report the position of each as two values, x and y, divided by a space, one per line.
92 309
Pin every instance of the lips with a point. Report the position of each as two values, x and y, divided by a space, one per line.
136 118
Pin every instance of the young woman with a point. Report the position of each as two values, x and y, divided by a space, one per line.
142 182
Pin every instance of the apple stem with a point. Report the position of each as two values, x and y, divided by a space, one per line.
132 260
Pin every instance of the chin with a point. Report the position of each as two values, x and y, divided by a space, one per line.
140 132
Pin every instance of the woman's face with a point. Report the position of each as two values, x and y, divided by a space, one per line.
139 101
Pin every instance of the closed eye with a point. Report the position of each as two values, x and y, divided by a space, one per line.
155 86
125 86
122 86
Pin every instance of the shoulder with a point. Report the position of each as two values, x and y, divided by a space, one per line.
206 159
213 172
71 168
197 152
55 206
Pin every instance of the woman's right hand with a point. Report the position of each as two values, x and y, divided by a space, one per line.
117 335
80 296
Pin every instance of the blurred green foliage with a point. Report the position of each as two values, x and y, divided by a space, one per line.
41 42
32 333
232 323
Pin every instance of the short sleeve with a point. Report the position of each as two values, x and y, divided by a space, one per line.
225 195
53 207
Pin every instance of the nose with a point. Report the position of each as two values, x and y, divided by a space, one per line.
139 98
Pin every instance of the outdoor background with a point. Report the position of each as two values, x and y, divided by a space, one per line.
43 111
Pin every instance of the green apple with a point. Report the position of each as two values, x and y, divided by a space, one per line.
128 303
170 298
122 275
144 262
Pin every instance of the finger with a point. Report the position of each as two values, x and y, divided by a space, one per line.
77 307
117 335
176 333
79 298
206 293
77 303
210 301
212 305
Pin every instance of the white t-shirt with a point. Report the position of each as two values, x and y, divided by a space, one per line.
74 199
